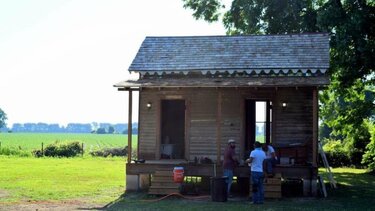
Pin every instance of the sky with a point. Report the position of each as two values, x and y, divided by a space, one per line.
60 59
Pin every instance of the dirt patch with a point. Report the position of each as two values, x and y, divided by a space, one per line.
50 205
3 193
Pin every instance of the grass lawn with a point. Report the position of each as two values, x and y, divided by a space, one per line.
101 181
356 191
33 179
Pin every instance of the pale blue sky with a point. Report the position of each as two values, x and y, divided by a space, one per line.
59 59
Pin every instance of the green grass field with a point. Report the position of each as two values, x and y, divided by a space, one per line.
89 179
30 141
356 191
101 181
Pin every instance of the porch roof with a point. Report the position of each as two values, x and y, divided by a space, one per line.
296 81
279 54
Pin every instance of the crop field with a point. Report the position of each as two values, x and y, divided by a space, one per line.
30 141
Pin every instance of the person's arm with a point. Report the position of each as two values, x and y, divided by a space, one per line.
273 155
234 157
272 151
249 160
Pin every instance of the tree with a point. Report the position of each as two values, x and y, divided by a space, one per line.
111 129
3 118
101 130
348 103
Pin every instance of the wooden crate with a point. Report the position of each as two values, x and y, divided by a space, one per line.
272 188
162 183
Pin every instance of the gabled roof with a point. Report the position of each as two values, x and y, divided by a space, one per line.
259 53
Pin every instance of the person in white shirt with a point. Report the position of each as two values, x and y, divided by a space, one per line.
256 160
271 158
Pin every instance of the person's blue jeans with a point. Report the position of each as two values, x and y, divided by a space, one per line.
229 174
257 183
270 163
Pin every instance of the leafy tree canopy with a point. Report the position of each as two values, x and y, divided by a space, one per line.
349 101
3 118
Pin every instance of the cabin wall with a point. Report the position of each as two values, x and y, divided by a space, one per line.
292 124
203 123
231 124
147 124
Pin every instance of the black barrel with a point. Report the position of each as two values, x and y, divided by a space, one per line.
219 189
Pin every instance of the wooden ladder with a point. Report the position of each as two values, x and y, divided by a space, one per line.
162 183
332 181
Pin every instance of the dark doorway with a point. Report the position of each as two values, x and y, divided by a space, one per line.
258 123
173 129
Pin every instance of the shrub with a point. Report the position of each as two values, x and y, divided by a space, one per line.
369 156
110 152
57 149
37 153
337 155
14 151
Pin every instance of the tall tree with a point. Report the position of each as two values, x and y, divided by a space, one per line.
3 118
348 103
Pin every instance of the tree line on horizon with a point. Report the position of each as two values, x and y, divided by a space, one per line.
98 128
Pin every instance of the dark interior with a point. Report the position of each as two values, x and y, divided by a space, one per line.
173 129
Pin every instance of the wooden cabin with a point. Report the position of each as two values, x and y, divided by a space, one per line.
196 92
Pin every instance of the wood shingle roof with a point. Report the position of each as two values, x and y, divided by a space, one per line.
257 53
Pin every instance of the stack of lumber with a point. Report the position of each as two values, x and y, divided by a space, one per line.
272 187
162 183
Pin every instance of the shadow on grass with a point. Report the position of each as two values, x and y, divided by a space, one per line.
355 191
354 188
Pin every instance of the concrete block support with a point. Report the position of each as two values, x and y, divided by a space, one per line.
310 187
137 182
132 182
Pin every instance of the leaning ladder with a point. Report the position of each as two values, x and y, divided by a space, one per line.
332 181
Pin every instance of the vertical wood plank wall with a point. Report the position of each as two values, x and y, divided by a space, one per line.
290 125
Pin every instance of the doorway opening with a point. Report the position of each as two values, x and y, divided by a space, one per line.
172 129
258 123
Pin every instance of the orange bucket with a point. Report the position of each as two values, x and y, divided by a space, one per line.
178 174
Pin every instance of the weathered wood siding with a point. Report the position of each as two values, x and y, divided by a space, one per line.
290 125
294 124
231 119
147 124
203 123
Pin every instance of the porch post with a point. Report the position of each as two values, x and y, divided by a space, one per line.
218 127
130 126
315 127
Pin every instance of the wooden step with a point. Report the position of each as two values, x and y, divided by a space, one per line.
162 183
163 173
161 179
165 184
272 188
272 195
272 181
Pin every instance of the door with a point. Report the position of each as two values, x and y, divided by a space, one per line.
172 129
257 123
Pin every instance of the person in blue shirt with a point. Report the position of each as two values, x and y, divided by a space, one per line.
257 165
